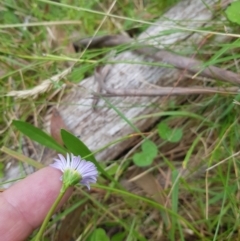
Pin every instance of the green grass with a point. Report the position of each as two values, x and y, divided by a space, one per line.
205 206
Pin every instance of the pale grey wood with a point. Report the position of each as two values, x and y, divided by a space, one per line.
104 126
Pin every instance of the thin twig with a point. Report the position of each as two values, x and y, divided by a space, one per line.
180 62
101 74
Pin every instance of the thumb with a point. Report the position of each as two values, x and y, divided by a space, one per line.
24 206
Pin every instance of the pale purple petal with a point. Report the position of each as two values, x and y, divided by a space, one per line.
86 169
68 161
86 184
90 180
62 159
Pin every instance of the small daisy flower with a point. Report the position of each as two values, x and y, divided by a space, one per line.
76 170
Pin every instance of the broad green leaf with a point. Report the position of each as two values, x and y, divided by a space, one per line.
98 234
233 12
10 17
142 159
168 134
176 135
149 148
38 135
76 146
163 130
118 237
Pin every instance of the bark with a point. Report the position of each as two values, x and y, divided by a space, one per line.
106 125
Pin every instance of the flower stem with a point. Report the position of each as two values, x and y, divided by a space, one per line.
39 235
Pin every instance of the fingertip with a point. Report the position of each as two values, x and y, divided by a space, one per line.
29 200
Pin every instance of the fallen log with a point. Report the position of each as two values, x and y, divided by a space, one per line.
104 126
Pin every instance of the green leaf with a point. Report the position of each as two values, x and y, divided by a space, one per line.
146 157
76 75
163 130
150 148
176 135
111 170
98 234
233 12
76 146
142 159
10 17
38 135
118 237
168 134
